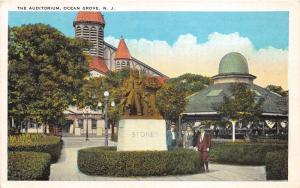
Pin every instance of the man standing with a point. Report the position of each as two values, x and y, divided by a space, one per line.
202 144
171 138
188 138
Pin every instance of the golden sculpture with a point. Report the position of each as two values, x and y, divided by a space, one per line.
139 96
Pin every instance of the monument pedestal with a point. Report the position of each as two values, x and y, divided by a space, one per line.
142 135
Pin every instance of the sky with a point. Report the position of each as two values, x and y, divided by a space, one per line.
180 42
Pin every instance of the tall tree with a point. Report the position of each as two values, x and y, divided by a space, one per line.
171 98
171 101
45 72
189 83
242 104
92 93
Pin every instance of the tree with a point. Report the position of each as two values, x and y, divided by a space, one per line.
92 93
45 72
171 102
171 98
189 83
242 104
278 89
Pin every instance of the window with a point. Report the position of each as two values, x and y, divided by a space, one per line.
118 65
80 123
214 93
94 124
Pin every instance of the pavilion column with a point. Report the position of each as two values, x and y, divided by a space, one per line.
12 122
179 127
263 128
277 127
76 127
233 122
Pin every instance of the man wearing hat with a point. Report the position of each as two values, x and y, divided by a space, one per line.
171 138
202 143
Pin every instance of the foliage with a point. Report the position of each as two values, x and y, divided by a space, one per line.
277 165
242 153
105 161
171 102
28 166
36 143
92 92
171 98
241 105
189 83
12 131
278 89
45 71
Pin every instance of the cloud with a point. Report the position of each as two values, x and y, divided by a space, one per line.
187 55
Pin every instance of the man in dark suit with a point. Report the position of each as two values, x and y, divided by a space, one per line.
202 143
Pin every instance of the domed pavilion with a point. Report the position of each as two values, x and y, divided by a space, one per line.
233 68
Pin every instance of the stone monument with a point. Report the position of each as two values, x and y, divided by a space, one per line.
141 126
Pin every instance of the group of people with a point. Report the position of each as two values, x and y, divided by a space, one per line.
198 140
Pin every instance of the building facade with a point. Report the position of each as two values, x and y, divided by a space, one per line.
104 58
233 68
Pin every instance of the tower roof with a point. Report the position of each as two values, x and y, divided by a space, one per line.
233 63
89 16
122 51
98 64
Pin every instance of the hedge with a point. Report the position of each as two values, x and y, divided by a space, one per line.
36 143
109 162
277 165
243 153
28 166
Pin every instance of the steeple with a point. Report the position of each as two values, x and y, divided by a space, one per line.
122 51
122 57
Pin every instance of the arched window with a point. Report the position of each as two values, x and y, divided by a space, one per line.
78 31
86 32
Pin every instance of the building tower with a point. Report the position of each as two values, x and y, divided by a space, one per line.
90 26
122 57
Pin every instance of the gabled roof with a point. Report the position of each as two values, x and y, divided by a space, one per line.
122 50
98 65
90 16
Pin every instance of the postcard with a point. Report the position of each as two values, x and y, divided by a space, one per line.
133 93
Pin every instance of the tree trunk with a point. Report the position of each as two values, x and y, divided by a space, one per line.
51 129
112 128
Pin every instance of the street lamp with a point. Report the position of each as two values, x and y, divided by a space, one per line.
84 114
106 95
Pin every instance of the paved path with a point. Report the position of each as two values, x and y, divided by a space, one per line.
66 168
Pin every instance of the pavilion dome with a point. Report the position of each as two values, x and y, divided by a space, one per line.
233 63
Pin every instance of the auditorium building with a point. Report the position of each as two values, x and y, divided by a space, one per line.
104 58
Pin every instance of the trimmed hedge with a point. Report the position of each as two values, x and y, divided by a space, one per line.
28 166
106 161
36 143
243 153
277 165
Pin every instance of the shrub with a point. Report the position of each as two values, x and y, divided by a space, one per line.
28 166
36 143
277 165
12 131
243 153
108 162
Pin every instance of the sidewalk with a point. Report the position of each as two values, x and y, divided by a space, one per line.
66 168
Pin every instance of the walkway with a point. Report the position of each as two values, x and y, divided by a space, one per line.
66 168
